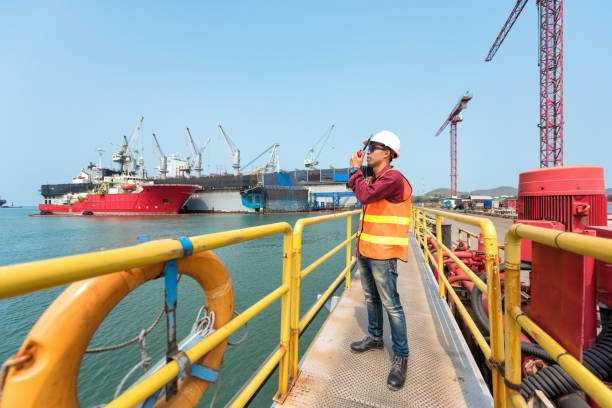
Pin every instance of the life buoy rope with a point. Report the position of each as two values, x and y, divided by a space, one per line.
58 340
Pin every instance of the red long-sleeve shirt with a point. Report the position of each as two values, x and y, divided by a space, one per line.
388 185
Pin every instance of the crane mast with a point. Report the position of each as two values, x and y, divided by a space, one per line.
234 151
163 160
453 118
550 18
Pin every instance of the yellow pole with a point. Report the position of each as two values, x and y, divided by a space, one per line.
495 317
513 331
295 300
283 367
425 237
347 283
440 255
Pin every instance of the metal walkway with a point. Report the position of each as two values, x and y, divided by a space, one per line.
441 370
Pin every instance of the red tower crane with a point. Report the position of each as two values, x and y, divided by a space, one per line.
454 118
550 17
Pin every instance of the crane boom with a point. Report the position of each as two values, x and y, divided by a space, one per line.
514 14
163 160
461 105
135 134
234 151
159 149
550 50
205 144
273 148
312 159
192 144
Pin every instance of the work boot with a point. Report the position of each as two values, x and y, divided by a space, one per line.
366 344
397 376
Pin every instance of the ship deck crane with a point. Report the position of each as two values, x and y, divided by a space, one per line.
163 160
126 157
550 13
312 160
453 118
271 166
234 151
197 154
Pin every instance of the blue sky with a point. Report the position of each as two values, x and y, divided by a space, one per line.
75 76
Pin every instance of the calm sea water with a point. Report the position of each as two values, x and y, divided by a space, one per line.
255 270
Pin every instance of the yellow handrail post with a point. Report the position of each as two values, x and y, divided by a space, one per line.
440 256
417 226
295 301
425 253
347 282
283 365
495 320
513 331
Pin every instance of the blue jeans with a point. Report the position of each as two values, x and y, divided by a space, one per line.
379 282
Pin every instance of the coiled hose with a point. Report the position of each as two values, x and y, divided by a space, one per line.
532 349
554 381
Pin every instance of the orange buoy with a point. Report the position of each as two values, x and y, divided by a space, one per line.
58 340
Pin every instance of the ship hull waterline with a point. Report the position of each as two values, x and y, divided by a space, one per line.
157 199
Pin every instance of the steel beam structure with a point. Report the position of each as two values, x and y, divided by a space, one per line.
551 82
550 18
453 157
453 118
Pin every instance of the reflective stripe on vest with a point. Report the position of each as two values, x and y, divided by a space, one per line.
379 239
385 219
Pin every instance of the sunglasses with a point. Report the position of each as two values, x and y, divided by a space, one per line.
371 148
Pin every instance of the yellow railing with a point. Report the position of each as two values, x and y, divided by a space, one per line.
493 353
33 276
509 356
598 248
299 325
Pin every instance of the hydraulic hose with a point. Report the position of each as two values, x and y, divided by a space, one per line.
555 382
478 308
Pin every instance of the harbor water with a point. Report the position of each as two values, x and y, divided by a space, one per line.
254 267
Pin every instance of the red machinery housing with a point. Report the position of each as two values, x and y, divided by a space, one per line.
563 285
574 196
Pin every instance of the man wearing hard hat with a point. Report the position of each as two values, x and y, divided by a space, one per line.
382 240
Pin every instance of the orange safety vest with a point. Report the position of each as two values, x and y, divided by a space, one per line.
384 227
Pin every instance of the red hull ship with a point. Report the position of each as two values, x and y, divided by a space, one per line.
147 199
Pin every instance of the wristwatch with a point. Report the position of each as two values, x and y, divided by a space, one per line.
353 170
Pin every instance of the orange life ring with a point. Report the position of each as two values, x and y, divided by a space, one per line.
60 337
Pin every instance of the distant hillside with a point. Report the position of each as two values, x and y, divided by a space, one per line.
497 192
494 192
442 192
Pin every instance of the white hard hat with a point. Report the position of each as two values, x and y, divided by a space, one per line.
388 139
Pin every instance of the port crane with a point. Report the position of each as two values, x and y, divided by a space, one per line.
197 154
453 118
234 151
125 156
550 18
312 160
273 162
163 160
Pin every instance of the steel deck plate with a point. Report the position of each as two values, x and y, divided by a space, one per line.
441 370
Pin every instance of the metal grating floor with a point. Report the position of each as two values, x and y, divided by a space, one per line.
441 370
